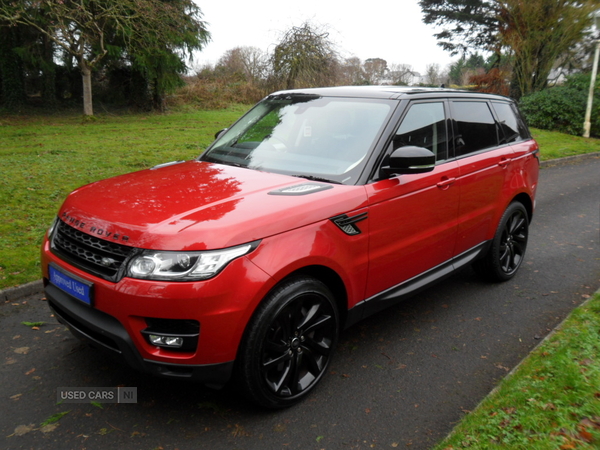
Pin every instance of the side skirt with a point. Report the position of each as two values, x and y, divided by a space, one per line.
417 284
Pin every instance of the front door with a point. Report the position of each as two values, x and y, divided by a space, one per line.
413 217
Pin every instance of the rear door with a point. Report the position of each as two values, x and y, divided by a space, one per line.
484 167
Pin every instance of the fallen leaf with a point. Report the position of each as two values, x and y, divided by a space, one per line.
16 396
29 372
239 431
22 350
591 424
568 446
24 429
586 436
49 428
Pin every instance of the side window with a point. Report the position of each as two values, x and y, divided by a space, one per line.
511 126
424 126
475 127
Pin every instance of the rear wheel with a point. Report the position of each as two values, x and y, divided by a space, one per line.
508 246
289 343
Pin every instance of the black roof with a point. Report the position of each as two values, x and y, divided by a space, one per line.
386 92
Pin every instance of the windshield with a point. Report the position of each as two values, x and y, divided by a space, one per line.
304 135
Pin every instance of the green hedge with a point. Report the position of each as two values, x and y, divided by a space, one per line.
562 108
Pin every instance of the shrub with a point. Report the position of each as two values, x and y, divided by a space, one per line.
217 88
562 108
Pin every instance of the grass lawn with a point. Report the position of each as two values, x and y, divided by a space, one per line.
558 145
552 400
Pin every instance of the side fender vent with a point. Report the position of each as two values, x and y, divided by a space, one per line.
348 224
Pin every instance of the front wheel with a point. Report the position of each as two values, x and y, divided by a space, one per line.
289 343
506 254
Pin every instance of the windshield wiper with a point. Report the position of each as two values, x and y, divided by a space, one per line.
313 178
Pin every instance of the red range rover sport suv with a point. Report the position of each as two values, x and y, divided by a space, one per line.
317 208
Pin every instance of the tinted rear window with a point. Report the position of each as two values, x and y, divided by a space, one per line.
475 127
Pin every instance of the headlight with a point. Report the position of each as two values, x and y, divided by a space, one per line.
184 266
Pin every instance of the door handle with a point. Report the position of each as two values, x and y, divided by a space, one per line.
445 182
504 162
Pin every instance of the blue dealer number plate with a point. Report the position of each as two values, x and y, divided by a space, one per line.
77 288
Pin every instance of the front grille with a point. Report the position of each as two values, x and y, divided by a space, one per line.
89 253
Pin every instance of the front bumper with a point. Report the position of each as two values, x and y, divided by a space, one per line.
107 333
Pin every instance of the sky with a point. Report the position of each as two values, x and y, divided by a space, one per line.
391 30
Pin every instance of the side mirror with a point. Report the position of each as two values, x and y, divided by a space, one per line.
218 134
410 159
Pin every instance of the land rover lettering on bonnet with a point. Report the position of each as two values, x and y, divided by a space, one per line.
316 209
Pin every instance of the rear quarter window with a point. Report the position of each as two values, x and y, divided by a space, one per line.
512 128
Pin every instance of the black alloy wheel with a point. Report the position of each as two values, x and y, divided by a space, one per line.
507 251
289 343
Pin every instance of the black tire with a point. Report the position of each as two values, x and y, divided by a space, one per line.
507 251
288 344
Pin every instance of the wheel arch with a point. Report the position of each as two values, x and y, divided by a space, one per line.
334 283
526 201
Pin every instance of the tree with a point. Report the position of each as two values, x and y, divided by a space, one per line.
461 71
351 72
12 87
534 33
375 70
88 30
249 62
166 35
305 57
401 74
467 24
538 33
433 75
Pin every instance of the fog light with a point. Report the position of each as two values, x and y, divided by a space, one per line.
165 341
